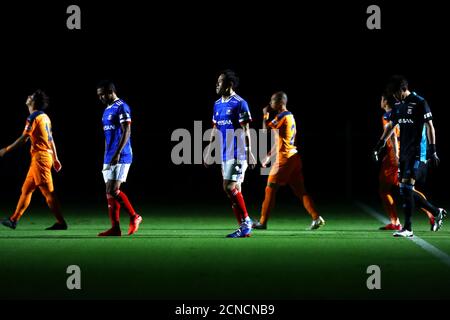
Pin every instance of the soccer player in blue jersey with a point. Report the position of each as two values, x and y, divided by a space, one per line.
118 157
230 114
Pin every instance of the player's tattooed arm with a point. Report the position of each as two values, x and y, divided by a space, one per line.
394 141
19 142
248 145
126 133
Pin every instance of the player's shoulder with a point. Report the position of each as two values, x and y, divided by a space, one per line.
238 99
36 116
387 115
414 97
121 104
284 114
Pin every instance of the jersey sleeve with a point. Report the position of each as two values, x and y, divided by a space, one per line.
28 128
244 112
124 113
276 123
427 115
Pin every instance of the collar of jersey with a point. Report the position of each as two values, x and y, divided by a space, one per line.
229 98
112 103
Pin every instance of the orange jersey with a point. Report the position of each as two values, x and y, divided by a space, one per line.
39 129
390 152
286 142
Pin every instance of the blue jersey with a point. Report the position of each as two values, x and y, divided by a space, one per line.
228 116
113 117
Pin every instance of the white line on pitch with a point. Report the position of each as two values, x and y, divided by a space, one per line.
441 255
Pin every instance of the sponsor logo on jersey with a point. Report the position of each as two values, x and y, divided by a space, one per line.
224 122
109 127
405 121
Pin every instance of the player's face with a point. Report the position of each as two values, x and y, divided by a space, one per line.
221 90
398 95
106 97
275 103
29 101
383 103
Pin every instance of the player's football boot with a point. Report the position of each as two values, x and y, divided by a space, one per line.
113 232
9 223
258 225
403 233
58 226
135 221
244 231
438 220
317 223
391 226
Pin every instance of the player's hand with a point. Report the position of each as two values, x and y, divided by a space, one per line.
265 162
207 161
377 150
57 165
434 160
2 152
115 160
266 110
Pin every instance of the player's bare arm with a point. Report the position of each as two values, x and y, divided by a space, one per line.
248 145
56 163
265 110
431 136
388 130
126 133
19 142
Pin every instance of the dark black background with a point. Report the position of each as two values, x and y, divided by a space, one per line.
165 58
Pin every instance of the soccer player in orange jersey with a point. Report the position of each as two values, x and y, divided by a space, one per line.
287 168
388 177
38 129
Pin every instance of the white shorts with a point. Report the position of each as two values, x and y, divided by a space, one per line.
118 172
234 170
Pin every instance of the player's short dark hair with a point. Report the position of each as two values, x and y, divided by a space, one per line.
107 85
397 83
389 98
40 100
230 78
281 96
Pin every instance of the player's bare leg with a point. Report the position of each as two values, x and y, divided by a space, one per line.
24 201
55 208
267 206
298 187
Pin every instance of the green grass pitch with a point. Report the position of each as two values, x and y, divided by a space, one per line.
181 253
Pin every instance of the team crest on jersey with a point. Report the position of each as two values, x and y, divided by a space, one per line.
110 117
228 111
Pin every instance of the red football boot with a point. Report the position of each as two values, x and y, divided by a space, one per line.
135 221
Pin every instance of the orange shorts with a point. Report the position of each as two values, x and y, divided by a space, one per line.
40 172
287 171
